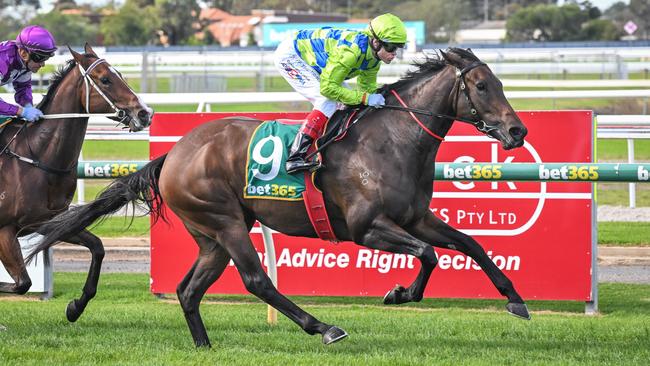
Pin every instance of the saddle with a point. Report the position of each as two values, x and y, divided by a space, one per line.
8 128
337 126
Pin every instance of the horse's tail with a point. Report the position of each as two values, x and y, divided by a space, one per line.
139 187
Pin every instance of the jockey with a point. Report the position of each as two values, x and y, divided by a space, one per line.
317 62
18 60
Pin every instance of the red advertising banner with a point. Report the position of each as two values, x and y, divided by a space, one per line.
539 233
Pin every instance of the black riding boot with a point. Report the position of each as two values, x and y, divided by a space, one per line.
298 152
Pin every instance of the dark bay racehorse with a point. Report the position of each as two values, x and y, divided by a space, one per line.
31 193
202 179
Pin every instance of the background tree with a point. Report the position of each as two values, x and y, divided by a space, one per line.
131 25
177 19
641 11
9 28
601 30
73 30
7 3
548 23
225 5
619 13
64 4
442 18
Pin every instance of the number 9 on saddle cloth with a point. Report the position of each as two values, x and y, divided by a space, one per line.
266 175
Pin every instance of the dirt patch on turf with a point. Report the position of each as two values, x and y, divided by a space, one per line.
32 298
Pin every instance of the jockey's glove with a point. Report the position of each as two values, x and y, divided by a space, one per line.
31 114
376 100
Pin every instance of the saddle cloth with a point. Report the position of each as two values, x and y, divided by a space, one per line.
267 178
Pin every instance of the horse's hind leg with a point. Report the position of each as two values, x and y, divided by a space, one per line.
207 268
234 237
12 258
94 244
433 230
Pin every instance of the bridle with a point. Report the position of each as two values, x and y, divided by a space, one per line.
480 124
120 114
459 85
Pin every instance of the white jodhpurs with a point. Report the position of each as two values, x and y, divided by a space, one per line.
302 77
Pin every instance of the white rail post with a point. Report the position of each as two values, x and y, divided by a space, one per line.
81 186
630 159
144 73
269 248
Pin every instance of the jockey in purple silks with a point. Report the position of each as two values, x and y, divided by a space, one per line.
18 60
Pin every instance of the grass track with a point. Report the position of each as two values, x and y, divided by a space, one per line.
126 325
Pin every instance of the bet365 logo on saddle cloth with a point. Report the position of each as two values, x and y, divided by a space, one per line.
266 176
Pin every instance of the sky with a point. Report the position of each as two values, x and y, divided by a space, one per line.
604 4
47 4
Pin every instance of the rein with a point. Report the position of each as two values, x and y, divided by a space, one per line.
80 115
480 124
399 99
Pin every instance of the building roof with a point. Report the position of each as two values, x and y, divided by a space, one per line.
213 14
231 29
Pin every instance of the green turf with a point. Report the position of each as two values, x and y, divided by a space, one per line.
115 150
624 233
126 325
616 150
122 226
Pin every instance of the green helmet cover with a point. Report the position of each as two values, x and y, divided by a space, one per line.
389 28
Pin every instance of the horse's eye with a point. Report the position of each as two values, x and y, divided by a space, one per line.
105 80
481 86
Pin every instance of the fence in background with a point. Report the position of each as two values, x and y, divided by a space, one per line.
147 66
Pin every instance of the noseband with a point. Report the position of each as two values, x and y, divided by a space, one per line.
119 113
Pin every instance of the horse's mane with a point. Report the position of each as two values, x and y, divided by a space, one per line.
56 80
429 66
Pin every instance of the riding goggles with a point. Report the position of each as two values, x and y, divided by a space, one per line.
38 56
391 47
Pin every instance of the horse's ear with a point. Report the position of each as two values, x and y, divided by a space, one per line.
89 50
444 56
77 56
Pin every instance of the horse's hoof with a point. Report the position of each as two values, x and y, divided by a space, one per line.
395 296
334 334
71 312
203 344
518 310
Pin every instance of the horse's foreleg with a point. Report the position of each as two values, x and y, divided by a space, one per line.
77 306
12 259
386 235
236 240
433 230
